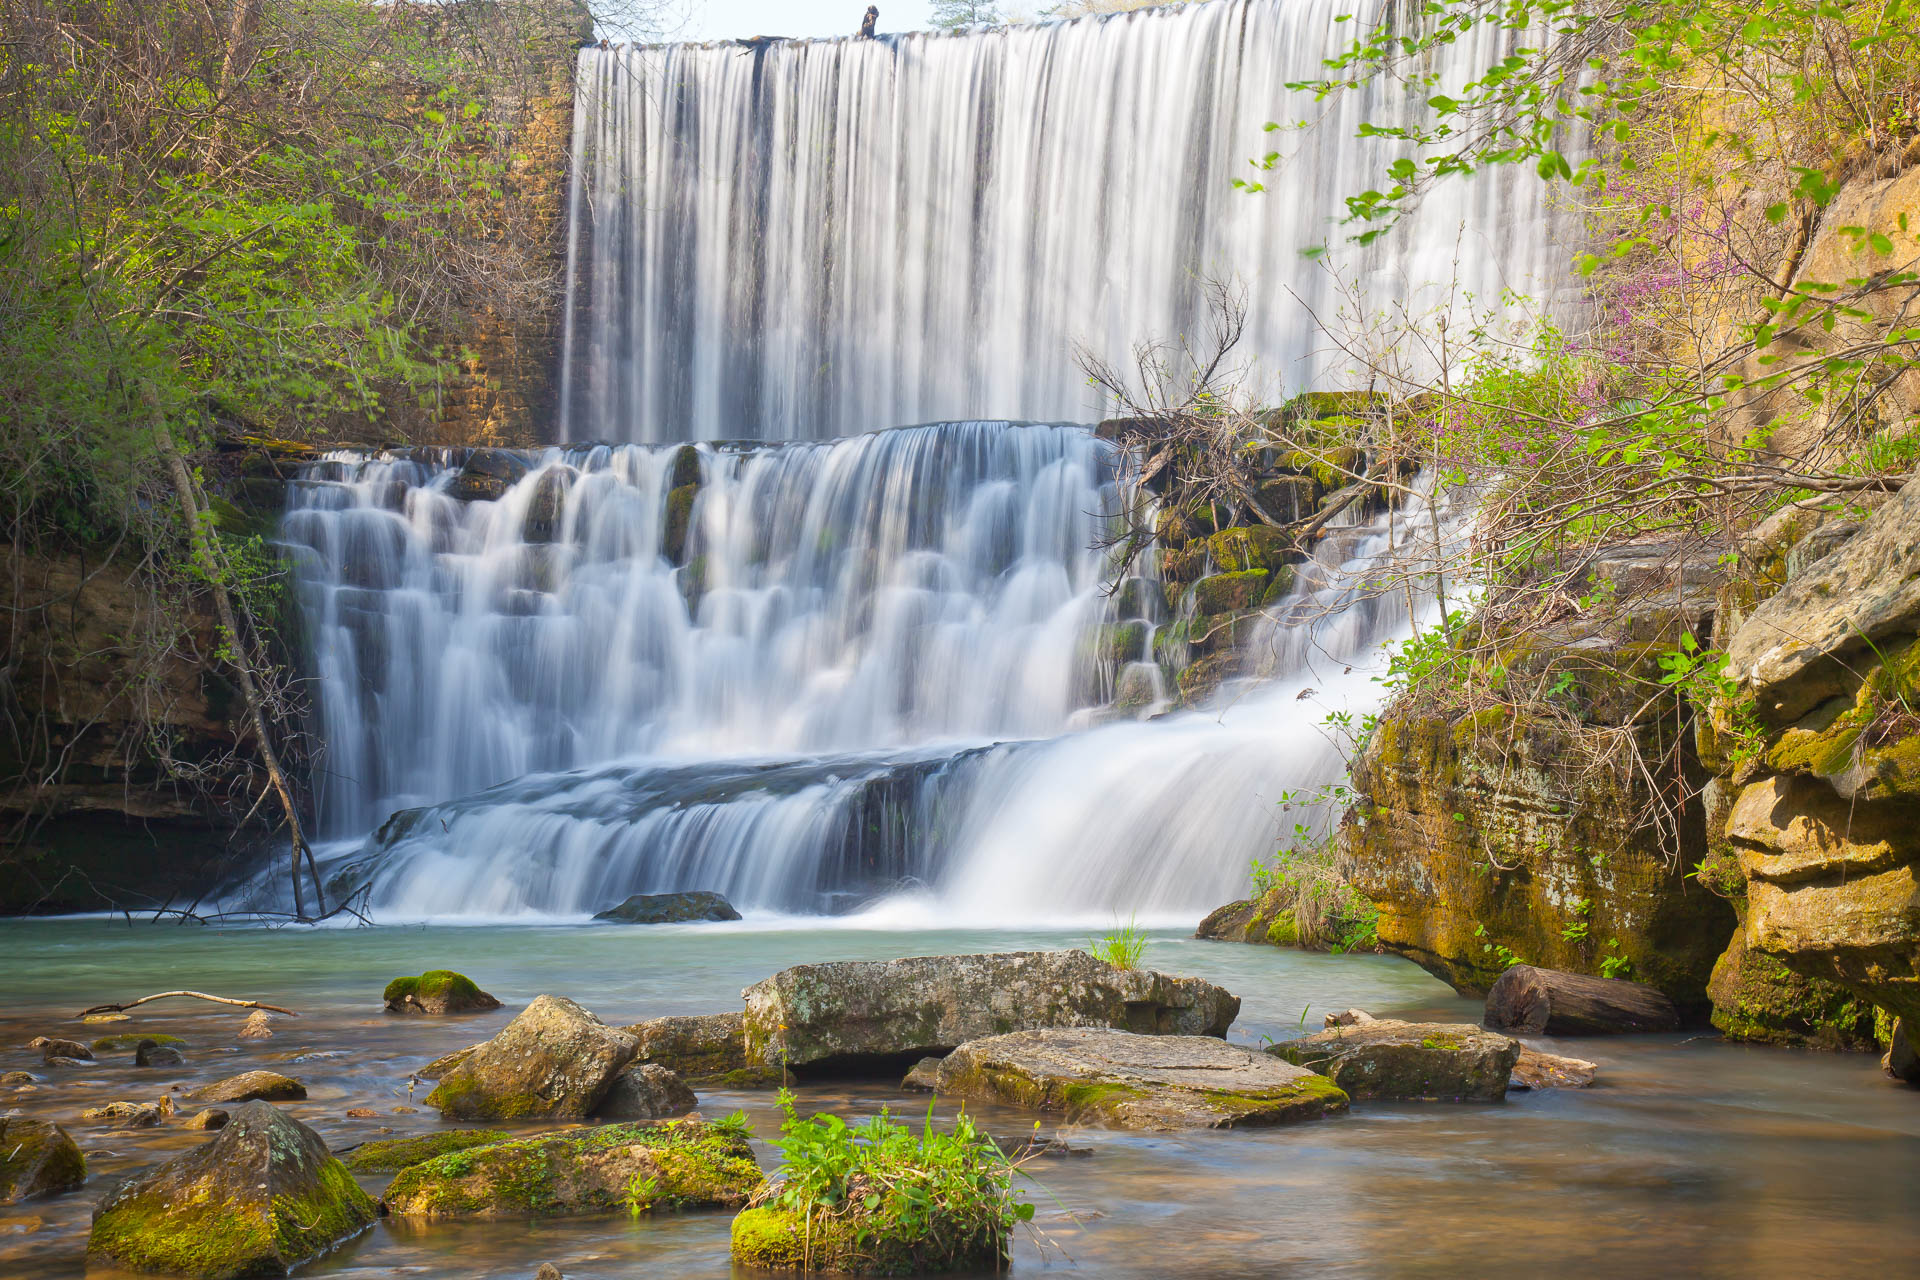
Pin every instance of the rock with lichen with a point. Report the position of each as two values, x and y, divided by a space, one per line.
883 1014
555 1061
1133 1081
645 1091
260 1198
1391 1060
704 1048
37 1158
437 991
616 1168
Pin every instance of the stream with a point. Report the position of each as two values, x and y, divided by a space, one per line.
1690 1154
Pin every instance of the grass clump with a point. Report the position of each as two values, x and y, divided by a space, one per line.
877 1199
1123 948
1304 901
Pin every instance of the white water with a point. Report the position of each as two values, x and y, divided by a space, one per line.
823 236
879 699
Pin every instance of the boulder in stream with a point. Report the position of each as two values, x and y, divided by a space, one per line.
554 1061
646 1091
260 1198
670 908
251 1086
437 991
884 1014
52 1047
1386 1059
615 1168
37 1158
1134 1081
705 1048
1536 1070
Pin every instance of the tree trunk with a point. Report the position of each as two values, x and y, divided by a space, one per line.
213 566
1549 1002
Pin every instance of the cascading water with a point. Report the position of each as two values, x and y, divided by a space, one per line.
816 676
805 239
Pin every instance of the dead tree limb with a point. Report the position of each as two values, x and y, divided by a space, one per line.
196 995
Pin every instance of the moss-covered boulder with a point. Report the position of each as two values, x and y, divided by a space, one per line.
390 1155
1229 592
882 1015
37 1158
437 991
554 1061
670 908
673 542
1258 547
618 1168
249 1086
645 1091
1757 998
259 1199
773 1238
1390 1060
1132 1081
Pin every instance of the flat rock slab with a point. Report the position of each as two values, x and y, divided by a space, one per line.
1132 1081
880 1014
1390 1060
1536 1070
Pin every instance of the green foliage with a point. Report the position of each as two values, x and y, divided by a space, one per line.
930 1198
953 15
1123 947
1613 964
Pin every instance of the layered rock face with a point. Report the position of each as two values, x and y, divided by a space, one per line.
1501 836
1820 754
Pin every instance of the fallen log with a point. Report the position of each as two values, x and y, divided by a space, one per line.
1548 1002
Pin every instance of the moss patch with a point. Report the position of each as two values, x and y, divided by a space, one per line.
118 1044
395 1154
434 984
777 1239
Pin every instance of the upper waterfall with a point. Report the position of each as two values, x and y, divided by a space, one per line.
805 238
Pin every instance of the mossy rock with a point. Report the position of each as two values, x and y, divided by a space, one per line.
1229 592
616 1168
1280 586
673 541
709 1047
37 1158
686 468
1258 547
1310 406
391 1155
1390 1060
437 991
262 1197
1756 998
132 1040
554 1061
776 1239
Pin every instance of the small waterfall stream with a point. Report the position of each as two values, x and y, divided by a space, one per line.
876 669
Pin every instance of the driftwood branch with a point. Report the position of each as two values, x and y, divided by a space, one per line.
197 995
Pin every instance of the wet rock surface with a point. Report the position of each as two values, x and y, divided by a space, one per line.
394 1154
1389 1060
1132 1081
1536 1070
554 1061
882 1015
645 1091
250 1086
696 1047
260 1198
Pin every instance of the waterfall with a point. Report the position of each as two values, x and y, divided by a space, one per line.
805 239
812 676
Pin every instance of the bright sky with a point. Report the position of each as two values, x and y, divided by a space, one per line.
733 19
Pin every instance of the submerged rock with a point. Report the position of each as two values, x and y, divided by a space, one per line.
260 1198
52 1047
437 991
554 1061
16 1077
700 1047
1391 1060
391 1155
154 1054
670 908
251 1086
878 1014
646 1091
617 1168
127 1115
209 1119
1133 1081
1536 1070
258 1026
134 1039
37 1158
